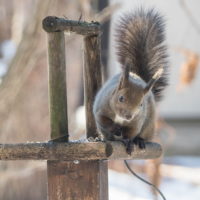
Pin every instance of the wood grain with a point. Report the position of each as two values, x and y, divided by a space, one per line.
71 151
57 85
54 24
58 106
92 80
92 83
82 180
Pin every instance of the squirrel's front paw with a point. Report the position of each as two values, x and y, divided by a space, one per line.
140 142
129 145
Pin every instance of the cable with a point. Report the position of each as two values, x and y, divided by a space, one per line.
152 185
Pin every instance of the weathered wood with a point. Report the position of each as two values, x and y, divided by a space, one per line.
92 83
82 181
58 104
55 151
53 24
76 151
99 168
57 85
152 150
92 79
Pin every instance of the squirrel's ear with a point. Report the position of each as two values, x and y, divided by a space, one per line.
155 77
123 82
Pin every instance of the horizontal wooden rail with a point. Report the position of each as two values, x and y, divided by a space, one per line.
54 24
76 151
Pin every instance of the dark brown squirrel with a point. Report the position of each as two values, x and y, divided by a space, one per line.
124 108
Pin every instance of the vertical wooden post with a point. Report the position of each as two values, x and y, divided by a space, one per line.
92 79
84 180
92 83
57 85
58 111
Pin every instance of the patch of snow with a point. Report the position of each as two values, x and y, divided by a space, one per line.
128 187
187 161
3 68
8 49
80 117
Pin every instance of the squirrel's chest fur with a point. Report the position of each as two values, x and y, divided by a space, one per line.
119 120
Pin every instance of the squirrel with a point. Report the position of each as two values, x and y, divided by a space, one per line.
125 107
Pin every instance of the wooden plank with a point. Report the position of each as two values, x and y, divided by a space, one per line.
151 151
92 83
54 24
58 104
92 79
76 151
57 85
55 151
84 183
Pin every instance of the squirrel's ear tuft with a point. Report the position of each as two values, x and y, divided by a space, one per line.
123 83
153 80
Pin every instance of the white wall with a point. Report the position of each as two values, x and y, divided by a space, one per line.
180 33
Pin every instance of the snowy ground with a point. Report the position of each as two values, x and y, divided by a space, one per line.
8 50
127 187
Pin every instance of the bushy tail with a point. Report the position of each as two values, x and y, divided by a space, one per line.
140 36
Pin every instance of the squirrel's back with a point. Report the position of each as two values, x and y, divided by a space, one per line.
140 44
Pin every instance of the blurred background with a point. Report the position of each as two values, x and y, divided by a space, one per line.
24 114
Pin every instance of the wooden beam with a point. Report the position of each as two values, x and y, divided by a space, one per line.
152 150
92 80
82 182
76 151
54 24
92 83
58 107
57 86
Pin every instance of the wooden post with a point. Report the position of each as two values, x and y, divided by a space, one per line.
92 79
58 110
92 83
57 85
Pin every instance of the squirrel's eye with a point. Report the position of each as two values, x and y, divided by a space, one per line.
121 99
141 104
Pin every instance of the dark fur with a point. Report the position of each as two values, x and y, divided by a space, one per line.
140 36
